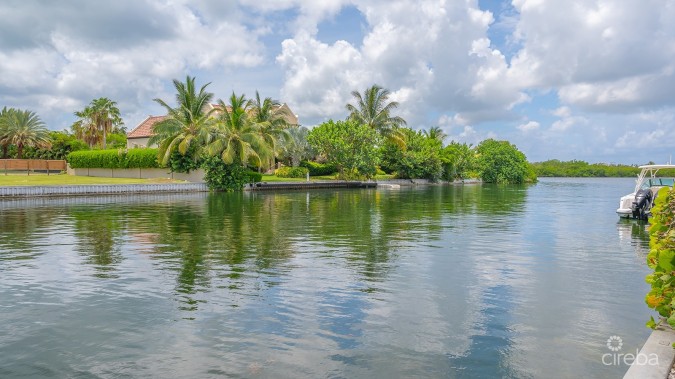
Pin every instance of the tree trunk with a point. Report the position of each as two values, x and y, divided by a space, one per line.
19 150
5 148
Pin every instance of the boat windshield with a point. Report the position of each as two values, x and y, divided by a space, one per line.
658 182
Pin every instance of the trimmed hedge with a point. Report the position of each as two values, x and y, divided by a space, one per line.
319 169
132 158
291 172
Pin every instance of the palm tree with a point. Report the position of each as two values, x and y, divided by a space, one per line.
97 119
435 132
372 109
4 128
236 138
84 129
24 128
297 148
187 125
271 120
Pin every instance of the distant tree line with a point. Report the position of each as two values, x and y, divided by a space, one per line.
581 169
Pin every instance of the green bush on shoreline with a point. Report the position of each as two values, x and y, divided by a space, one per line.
661 258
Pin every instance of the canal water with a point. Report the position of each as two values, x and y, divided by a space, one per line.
430 282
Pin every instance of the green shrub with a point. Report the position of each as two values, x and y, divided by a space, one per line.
661 258
132 158
253 177
319 169
185 163
225 177
291 172
501 162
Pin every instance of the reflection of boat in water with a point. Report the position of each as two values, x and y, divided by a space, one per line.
635 234
638 204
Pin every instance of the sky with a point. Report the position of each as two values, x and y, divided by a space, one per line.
592 80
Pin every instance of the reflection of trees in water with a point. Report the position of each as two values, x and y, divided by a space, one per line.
99 233
495 199
19 232
236 238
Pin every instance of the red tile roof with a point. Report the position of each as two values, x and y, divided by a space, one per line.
144 129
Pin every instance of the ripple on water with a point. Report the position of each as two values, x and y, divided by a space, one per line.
461 281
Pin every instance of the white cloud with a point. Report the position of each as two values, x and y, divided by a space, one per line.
109 50
562 112
437 54
606 71
567 120
528 127
599 55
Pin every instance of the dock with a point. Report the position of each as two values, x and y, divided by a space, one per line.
270 186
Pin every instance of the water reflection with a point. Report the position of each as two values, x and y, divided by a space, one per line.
463 281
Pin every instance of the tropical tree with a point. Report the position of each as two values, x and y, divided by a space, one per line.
24 128
421 158
271 120
236 138
435 132
84 130
62 143
458 160
297 147
96 120
501 162
348 145
373 110
186 127
5 113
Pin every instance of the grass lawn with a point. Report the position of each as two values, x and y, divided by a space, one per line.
64 179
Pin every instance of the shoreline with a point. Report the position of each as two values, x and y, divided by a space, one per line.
13 192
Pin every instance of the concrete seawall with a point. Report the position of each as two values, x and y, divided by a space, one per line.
37 191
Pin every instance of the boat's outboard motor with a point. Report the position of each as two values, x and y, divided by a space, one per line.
642 204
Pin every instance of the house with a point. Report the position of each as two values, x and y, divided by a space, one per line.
140 135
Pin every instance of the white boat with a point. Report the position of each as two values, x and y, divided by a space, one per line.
638 204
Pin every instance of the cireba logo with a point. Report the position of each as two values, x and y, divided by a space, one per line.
615 343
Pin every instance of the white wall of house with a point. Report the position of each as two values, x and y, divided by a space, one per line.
133 143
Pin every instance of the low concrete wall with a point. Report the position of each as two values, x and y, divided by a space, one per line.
660 344
195 176
34 191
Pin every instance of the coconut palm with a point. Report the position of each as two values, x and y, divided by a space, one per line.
271 121
236 138
96 120
186 126
372 109
435 132
24 128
